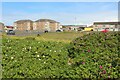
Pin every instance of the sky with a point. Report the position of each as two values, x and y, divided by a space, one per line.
80 13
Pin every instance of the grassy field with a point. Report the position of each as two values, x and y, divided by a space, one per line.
60 37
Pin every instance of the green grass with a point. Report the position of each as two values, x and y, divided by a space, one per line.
60 37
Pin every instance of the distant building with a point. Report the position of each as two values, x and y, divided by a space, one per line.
1 26
46 24
23 25
110 26
73 27
6 28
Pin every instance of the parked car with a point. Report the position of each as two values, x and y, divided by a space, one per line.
10 32
46 31
58 30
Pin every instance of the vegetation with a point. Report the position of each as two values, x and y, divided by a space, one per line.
59 36
92 56
97 54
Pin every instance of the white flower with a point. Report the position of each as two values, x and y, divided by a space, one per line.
44 62
50 50
36 52
12 57
30 47
54 51
43 56
38 56
39 59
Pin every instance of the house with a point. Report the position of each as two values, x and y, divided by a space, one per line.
73 27
110 26
1 27
46 24
23 25
6 28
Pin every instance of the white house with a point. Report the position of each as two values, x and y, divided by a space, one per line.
110 26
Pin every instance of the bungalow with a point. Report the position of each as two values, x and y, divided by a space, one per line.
73 27
110 26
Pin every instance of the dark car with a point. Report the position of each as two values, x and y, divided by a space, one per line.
46 31
58 30
11 32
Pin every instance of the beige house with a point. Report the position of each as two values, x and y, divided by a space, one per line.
1 26
46 24
23 25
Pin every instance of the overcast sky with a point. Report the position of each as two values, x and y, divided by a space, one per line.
64 12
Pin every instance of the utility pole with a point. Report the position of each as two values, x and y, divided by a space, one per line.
75 21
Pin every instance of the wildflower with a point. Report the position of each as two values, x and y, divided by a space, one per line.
30 47
38 56
39 59
89 50
54 51
108 76
83 62
104 72
100 67
110 66
36 52
43 56
12 57
50 50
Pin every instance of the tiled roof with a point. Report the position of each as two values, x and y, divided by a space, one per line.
21 21
9 26
44 20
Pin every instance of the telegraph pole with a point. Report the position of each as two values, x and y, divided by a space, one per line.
75 21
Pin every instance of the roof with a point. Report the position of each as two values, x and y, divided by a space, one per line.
9 26
44 20
111 23
75 25
21 21
1 23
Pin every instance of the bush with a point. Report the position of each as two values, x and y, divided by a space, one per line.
94 50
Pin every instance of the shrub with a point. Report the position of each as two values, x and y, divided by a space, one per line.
94 50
